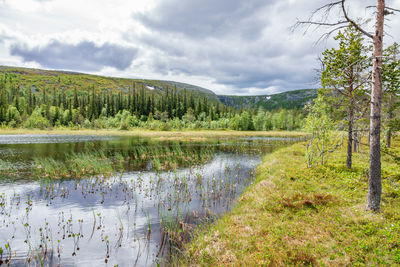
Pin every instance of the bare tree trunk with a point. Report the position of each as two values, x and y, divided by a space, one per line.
389 133
349 137
375 184
355 141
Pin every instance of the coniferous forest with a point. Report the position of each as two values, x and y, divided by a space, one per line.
29 100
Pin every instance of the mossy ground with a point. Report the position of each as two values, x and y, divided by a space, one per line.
294 215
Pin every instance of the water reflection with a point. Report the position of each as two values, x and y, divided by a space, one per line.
141 216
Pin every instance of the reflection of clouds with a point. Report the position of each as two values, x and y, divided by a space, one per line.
133 217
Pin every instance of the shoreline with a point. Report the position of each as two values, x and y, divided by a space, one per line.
155 133
294 215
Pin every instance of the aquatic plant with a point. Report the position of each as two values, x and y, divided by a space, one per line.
171 198
77 165
6 168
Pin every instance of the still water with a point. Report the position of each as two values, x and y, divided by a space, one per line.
141 215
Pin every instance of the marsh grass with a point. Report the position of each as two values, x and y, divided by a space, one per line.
171 157
81 165
172 195
175 232
76 165
6 168
294 215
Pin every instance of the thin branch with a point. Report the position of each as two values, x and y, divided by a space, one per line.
323 22
325 36
299 22
352 22
393 9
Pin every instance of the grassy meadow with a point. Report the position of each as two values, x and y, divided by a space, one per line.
294 215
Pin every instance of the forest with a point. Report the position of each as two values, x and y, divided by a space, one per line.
70 103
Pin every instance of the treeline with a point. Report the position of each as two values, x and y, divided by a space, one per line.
133 106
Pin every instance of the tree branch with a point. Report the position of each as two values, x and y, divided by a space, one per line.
393 9
352 22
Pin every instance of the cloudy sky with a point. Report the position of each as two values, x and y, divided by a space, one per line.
229 46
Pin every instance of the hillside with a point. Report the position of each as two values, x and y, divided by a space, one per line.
68 81
288 100
38 78
181 86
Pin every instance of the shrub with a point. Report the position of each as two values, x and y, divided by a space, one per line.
36 120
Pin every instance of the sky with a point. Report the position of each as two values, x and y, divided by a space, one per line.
239 47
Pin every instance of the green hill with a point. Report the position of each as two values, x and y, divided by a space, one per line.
37 79
35 98
289 100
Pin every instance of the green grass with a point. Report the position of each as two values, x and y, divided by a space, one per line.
293 215
75 166
82 165
169 157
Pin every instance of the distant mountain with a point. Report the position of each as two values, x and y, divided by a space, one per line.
67 80
288 100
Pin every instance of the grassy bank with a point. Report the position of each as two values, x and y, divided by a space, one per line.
293 215
159 134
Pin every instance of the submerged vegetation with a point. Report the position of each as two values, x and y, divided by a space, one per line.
294 215
144 215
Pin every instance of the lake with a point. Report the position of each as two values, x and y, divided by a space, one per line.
75 200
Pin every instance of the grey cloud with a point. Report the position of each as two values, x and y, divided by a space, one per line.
85 56
246 45
273 75
205 18
239 65
163 44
